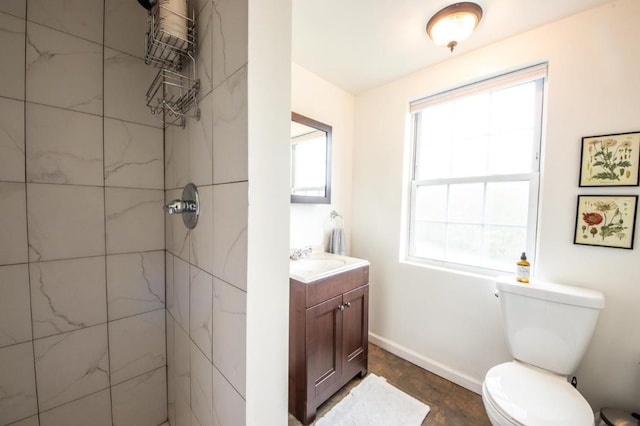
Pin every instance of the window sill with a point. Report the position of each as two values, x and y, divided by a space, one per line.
464 270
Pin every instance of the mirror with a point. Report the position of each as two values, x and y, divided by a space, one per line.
310 161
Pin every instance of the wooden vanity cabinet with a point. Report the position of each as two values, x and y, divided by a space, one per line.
328 336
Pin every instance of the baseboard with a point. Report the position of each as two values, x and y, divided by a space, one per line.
428 364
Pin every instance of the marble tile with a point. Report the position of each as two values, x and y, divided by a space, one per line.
14 7
201 386
230 217
135 283
201 145
13 223
15 306
126 80
230 129
17 383
204 50
94 410
168 223
200 325
198 5
63 70
30 421
125 26
182 371
176 156
136 345
202 236
134 220
67 295
229 333
71 365
168 281
171 368
63 146
141 401
11 140
230 38
178 237
65 221
180 310
80 18
133 155
229 408
11 54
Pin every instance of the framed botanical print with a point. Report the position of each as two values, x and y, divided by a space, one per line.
606 220
610 160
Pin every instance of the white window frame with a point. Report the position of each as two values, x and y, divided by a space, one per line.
537 74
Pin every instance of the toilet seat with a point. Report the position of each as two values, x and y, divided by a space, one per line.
525 395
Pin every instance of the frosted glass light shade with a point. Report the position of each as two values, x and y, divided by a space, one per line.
454 23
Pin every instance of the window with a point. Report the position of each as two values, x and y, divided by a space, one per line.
474 183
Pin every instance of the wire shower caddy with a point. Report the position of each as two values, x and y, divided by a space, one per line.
170 45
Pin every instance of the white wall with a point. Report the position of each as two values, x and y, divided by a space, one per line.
320 100
450 322
269 85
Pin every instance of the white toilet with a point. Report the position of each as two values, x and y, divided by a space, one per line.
548 328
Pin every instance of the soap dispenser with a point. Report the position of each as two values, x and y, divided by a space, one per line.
523 269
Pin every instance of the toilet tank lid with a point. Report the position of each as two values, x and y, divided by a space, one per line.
559 293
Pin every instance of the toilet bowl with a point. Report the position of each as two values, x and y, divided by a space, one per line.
548 328
516 394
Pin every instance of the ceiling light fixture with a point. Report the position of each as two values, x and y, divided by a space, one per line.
454 23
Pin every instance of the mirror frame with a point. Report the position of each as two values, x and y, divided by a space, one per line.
310 199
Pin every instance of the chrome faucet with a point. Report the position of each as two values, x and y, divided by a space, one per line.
297 254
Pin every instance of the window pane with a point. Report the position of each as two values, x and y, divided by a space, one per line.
472 116
511 152
434 158
502 245
464 244
466 202
513 108
507 203
469 157
431 203
429 240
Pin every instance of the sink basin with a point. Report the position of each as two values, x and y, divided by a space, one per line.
322 265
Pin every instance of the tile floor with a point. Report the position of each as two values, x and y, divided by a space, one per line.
451 405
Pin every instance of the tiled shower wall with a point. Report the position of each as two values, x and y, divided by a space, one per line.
206 267
82 319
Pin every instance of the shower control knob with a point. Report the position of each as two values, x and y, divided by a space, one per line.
176 206
188 206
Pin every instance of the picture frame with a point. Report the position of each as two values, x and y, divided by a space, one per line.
606 220
610 160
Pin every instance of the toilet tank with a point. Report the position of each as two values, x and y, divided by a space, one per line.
548 325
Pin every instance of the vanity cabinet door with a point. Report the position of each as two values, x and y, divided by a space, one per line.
324 348
355 327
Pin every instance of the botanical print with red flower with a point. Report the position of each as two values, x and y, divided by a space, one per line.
606 220
610 160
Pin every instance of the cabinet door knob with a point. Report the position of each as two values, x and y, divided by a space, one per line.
341 308
347 305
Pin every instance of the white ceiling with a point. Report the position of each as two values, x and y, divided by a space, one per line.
360 44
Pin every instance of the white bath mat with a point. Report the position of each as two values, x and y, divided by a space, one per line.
374 402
